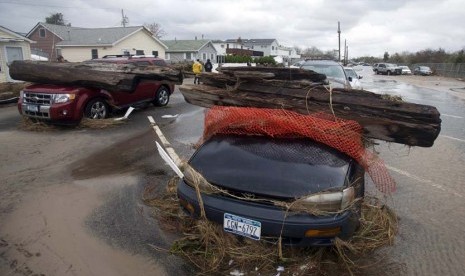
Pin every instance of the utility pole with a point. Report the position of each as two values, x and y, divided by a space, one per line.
124 19
347 55
345 52
339 39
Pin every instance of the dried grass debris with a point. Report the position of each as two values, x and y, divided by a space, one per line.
213 251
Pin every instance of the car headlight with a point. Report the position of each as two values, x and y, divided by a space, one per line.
330 202
63 98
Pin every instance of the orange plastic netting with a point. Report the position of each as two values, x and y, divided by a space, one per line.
343 135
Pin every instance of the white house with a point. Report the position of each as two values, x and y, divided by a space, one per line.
79 44
181 50
13 46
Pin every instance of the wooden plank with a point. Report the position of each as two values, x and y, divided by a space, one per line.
399 122
105 75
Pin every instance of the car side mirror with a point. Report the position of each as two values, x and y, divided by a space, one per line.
349 78
360 77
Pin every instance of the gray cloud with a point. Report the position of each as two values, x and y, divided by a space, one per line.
370 27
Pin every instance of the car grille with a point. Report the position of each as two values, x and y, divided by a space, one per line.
40 101
37 98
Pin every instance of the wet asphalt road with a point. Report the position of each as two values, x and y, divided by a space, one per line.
430 197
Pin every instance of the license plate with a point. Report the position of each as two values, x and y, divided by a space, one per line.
32 108
242 226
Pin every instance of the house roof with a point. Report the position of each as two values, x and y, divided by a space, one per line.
13 36
76 36
253 41
185 45
59 30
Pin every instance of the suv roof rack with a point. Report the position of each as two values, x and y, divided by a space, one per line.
129 56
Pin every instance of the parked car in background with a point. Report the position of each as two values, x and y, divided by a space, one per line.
298 64
333 70
274 169
353 78
67 104
387 69
422 70
405 70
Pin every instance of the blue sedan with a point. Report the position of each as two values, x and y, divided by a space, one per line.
270 170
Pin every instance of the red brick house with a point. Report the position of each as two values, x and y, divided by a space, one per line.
46 37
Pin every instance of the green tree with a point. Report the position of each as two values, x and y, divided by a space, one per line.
386 56
460 57
265 61
57 19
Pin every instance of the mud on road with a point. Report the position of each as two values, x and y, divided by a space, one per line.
71 200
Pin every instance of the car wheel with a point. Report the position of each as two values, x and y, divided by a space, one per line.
388 73
97 109
162 97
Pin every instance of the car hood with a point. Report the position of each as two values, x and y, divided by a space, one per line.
277 168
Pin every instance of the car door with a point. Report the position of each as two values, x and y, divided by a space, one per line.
144 91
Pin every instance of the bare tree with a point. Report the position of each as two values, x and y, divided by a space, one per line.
156 29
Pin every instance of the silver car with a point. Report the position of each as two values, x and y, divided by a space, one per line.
423 71
334 72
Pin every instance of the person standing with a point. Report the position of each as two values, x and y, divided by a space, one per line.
208 66
197 69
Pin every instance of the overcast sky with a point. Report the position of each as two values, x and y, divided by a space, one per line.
370 27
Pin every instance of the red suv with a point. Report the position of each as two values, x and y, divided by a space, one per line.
67 104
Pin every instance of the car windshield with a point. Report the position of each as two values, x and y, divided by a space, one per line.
330 70
259 165
424 68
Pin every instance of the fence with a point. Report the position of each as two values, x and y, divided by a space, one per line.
452 70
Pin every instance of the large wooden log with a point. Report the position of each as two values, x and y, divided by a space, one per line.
280 73
104 75
381 117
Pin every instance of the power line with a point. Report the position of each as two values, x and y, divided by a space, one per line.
36 5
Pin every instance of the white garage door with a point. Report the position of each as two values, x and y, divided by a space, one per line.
13 53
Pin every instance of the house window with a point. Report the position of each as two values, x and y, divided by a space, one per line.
59 52
41 32
272 47
204 56
155 53
94 53
211 56
140 52
189 56
222 45
167 56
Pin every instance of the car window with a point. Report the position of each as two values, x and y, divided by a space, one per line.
159 62
351 73
265 162
334 71
142 63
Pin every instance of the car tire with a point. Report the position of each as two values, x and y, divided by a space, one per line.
162 97
97 109
388 73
